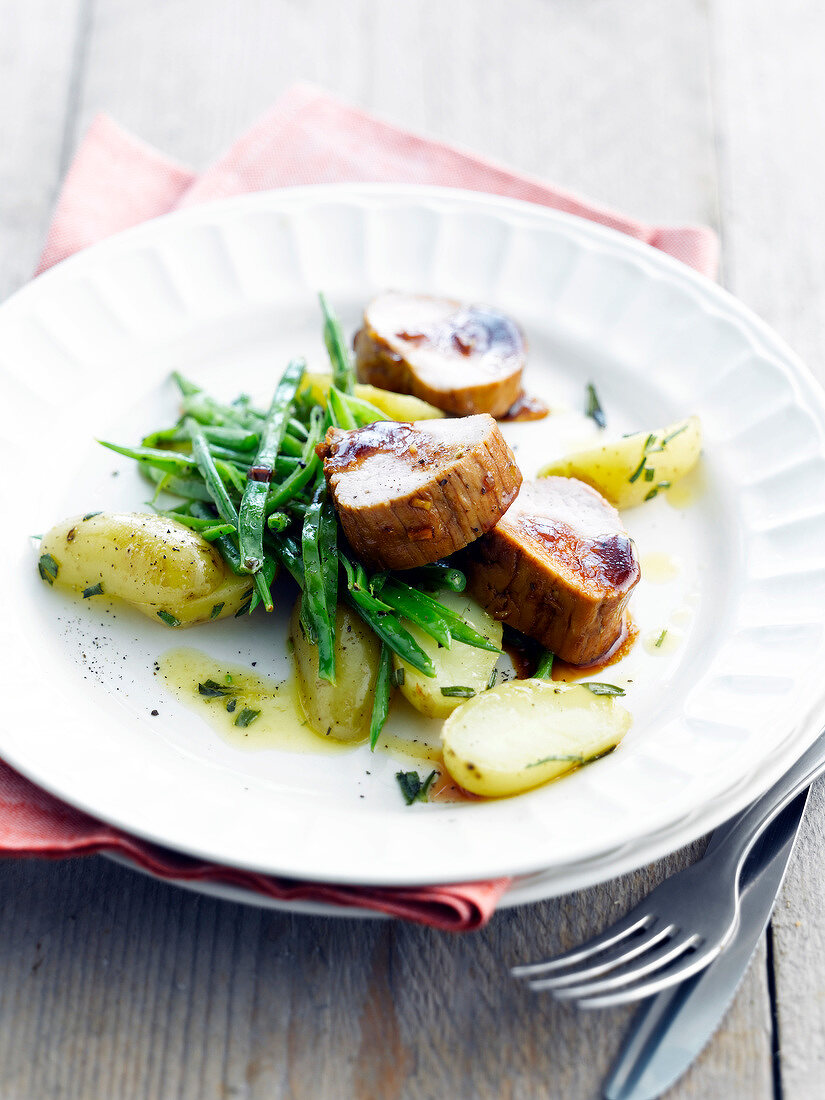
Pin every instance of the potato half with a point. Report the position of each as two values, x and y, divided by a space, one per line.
160 567
632 470
523 733
460 666
341 710
395 406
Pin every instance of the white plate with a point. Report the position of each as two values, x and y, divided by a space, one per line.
226 293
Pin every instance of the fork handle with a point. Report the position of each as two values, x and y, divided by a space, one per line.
736 841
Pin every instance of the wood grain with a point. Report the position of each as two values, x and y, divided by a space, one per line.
112 985
769 85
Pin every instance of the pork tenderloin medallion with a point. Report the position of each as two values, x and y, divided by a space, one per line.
464 359
559 567
409 494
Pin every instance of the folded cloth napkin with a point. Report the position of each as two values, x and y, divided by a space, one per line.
117 181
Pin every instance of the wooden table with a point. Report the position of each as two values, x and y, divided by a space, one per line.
113 985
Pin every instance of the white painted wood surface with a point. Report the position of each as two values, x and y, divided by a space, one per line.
112 985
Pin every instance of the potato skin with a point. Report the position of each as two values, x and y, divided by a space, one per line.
341 710
148 561
524 733
461 664
670 453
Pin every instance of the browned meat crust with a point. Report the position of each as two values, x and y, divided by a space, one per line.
409 494
560 567
463 359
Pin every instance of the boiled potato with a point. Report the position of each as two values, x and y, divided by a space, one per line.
523 733
158 566
459 666
632 470
341 710
395 406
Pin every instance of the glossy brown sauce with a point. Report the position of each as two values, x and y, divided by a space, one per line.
526 407
343 450
469 331
608 561
525 654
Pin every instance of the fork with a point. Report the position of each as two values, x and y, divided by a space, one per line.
683 924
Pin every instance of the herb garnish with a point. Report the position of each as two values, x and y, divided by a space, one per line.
210 689
655 490
48 568
90 515
93 590
593 408
458 692
603 689
660 639
413 787
246 717
544 669
398 677
230 706
493 677
637 473
216 610
673 435
170 620
575 759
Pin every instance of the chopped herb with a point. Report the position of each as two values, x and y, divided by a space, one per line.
655 490
231 704
48 568
458 692
673 435
650 473
212 690
246 717
638 471
228 678
93 590
593 408
244 609
90 515
603 689
216 610
660 639
413 788
648 442
170 620
493 677
566 759
398 677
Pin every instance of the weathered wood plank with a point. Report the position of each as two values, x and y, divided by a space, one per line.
769 92
40 45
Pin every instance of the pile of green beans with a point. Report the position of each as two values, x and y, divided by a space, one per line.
252 484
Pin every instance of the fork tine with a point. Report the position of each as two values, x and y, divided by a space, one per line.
631 924
650 963
685 967
624 952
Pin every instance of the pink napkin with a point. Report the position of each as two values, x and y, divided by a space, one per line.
117 181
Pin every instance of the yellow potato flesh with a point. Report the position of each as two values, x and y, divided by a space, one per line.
524 733
637 468
395 406
341 710
150 562
459 666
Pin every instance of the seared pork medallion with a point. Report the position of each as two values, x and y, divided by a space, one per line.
464 359
560 567
409 494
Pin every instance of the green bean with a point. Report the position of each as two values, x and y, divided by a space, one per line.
171 462
216 531
308 465
385 624
267 571
318 614
190 488
363 412
288 553
340 414
253 503
343 374
442 575
381 698
544 669
328 551
186 387
238 438
418 611
278 521
225 543
459 628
